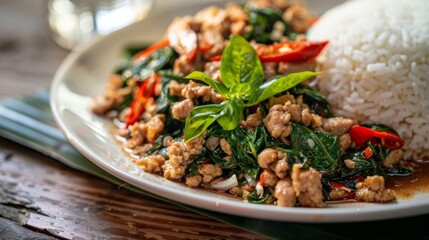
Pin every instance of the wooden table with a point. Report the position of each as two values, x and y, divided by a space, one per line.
41 198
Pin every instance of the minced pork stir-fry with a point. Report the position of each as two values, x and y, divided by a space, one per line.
222 103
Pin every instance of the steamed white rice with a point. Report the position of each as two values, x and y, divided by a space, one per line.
376 67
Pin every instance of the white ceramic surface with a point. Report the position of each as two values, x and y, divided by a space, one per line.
83 75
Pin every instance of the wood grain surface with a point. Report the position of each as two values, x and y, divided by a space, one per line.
41 194
41 198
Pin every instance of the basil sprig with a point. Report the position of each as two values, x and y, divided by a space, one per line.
242 86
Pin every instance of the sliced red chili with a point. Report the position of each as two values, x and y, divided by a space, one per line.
360 135
261 179
337 185
293 52
206 161
359 178
146 91
216 58
350 195
192 55
367 153
151 49
204 47
287 52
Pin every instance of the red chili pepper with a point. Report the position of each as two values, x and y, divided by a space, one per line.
287 52
204 47
359 178
337 185
152 48
192 55
367 153
293 52
146 91
216 58
206 161
350 195
261 179
360 135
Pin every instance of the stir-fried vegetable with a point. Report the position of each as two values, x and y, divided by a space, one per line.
245 145
258 198
262 22
322 148
145 67
242 85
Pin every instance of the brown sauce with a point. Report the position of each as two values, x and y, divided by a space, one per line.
407 187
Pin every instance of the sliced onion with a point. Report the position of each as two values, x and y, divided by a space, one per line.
226 184
250 180
259 190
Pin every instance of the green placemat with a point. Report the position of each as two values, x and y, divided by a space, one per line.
28 121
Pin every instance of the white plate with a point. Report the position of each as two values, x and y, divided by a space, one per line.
83 75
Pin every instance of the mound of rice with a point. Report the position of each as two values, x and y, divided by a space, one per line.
376 67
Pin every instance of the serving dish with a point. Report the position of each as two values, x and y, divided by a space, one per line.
82 76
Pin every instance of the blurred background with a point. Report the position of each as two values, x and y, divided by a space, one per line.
35 36
24 37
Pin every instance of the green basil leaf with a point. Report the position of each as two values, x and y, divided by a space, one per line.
254 198
261 23
280 84
146 67
322 149
379 152
245 157
230 117
167 73
200 118
242 91
195 128
217 86
217 156
216 131
207 110
192 170
240 64
126 102
156 146
294 156
367 167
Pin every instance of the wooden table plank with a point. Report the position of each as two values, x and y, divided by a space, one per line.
11 230
40 193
